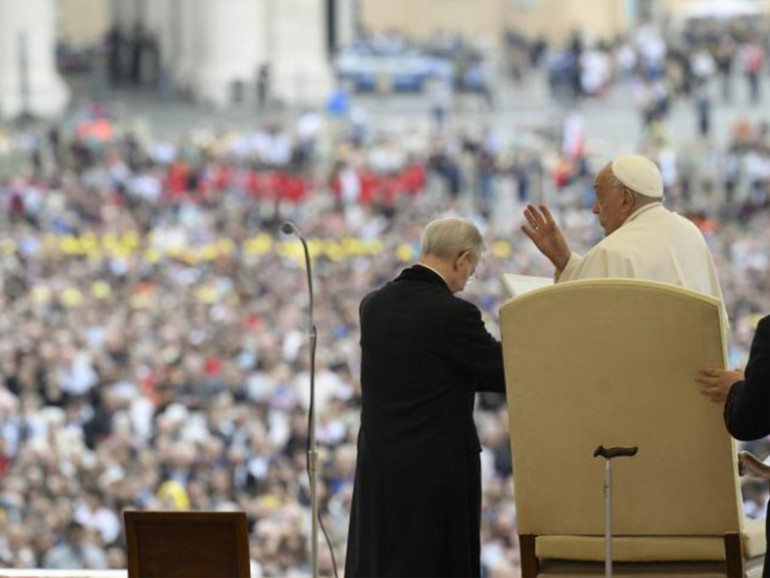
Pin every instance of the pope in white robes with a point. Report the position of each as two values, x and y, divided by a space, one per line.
644 240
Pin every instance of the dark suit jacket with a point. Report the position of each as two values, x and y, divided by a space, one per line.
747 408
417 494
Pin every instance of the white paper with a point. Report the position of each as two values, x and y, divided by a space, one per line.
520 284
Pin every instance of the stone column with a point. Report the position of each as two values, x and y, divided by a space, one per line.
346 22
231 48
126 13
29 81
161 23
185 42
158 21
301 70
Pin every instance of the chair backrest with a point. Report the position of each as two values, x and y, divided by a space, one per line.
612 362
186 544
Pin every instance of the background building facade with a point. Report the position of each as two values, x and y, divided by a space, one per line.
216 50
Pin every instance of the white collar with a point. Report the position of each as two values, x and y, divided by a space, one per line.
642 209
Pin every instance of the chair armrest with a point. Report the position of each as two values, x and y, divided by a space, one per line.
750 465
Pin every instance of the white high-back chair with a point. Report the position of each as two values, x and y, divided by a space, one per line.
612 363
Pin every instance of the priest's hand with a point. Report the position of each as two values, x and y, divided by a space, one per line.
546 235
716 383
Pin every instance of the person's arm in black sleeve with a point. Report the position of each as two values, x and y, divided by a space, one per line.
747 408
471 346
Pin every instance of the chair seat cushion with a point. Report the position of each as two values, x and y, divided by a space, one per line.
650 548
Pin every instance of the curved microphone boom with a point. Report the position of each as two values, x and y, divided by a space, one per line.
288 228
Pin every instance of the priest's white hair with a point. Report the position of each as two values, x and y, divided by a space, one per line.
449 236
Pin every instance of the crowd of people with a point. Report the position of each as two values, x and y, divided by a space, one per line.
661 63
155 349
153 342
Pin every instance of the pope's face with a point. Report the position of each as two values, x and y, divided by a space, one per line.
612 203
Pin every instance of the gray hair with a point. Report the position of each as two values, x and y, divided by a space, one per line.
450 236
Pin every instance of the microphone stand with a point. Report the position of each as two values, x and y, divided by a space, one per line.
312 454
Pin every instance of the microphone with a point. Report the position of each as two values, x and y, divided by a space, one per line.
288 228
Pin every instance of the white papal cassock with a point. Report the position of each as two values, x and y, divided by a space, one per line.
655 244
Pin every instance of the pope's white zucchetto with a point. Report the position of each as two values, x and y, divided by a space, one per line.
639 174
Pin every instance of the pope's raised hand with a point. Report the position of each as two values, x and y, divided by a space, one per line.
546 235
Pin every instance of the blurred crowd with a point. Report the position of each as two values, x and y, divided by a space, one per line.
153 340
660 63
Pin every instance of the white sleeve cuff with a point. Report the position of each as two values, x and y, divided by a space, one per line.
568 272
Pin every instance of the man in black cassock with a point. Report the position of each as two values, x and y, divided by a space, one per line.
746 395
425 353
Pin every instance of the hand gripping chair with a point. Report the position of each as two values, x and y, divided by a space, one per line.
612 362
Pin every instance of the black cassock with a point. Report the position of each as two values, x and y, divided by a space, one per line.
417 495
747 408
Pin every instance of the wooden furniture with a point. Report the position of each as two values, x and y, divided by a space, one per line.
612 362
186 544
